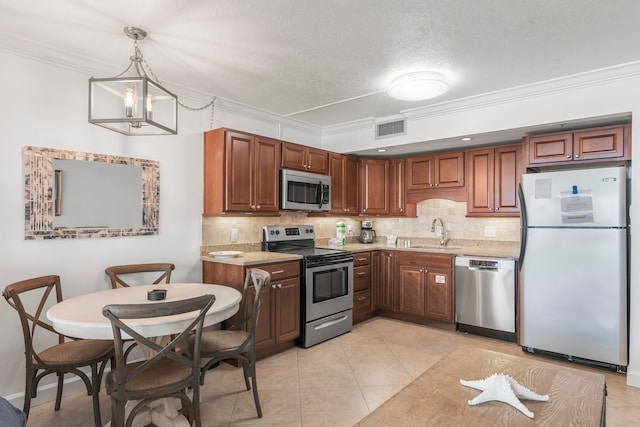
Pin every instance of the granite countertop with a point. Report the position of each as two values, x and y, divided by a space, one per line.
455 247
252 254
254 258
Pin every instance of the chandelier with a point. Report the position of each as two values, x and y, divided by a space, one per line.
132 103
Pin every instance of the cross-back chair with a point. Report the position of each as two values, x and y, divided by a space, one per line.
239 341
168 372
116 272
64 357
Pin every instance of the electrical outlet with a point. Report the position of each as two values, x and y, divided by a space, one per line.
490 231
234 235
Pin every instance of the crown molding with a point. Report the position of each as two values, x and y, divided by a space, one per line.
530 91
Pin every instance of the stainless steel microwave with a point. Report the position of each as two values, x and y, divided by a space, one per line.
304 191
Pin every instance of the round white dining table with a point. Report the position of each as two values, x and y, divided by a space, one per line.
81 316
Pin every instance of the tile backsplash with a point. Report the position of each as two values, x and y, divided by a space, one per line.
217 230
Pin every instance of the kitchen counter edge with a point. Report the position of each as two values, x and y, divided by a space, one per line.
254 258
259 257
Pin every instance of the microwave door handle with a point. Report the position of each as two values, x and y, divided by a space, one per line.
319 197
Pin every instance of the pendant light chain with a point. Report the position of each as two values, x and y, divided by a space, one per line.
139 57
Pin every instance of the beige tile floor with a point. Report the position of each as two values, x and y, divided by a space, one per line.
336 383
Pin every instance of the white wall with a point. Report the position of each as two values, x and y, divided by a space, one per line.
46 105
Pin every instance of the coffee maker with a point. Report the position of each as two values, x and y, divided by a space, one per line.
367 233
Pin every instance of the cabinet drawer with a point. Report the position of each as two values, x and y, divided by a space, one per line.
361 258
426 259
362 302
361 278
280 270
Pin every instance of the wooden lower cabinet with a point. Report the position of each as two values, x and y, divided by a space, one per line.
425 285
362 276
279 321
384 282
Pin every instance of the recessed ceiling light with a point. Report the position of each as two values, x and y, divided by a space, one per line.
382 150
418 86
466 138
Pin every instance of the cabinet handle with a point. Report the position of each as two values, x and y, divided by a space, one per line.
361 273
273 286
497 209
277 272
490 209
436 185
568 156
362 298
258 207
362 259
577 155
279 285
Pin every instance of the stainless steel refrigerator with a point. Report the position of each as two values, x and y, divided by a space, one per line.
573 260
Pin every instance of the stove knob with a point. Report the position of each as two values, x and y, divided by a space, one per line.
277 231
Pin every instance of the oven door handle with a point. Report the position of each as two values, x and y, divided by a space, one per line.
330 323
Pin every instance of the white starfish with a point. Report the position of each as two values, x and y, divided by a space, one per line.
503 388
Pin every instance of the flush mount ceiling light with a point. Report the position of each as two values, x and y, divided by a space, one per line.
418 86
134 104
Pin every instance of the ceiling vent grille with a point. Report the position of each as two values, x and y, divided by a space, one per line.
387 129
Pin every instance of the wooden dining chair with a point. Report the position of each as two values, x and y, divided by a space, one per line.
239 341
136 274
167 372
68 356
116 273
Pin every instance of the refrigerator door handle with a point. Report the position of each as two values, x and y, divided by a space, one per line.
523 226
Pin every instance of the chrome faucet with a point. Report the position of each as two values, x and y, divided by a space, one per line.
444 238
433 224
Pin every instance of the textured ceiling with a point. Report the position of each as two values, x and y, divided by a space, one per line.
328 62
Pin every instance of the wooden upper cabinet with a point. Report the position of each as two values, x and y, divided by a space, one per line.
493 175
444 170
238 189
588 145
352 187
397 186
374 190
345 175
420 173
308 159
266 182
240 173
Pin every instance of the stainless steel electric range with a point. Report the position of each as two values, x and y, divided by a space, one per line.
326 282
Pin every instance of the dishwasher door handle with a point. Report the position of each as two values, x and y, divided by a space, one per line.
482 268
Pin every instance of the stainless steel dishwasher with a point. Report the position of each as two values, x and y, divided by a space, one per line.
485 290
